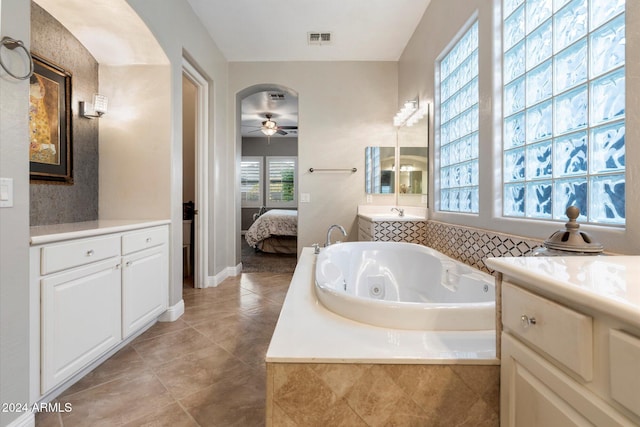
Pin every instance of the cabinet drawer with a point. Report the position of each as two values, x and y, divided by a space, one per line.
562 333
143 239
624 365
79 252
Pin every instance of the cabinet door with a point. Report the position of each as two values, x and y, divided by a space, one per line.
80 315
534 393
144 288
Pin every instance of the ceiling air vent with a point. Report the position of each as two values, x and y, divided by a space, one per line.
318 38
274 96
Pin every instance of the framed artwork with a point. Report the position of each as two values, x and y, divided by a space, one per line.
50 145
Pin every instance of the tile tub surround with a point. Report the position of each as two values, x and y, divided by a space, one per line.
322 394
323 369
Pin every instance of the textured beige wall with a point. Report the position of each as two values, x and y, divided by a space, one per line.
343 107
54 203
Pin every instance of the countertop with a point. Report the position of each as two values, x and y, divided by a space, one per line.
307 332
607 284
60 232
384 213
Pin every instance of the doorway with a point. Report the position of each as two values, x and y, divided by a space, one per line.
195 124
268 178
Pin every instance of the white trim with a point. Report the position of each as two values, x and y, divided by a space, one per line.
173 313
28 419
201 221
214 281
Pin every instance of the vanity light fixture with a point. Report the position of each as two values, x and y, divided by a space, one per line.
410 113
96 109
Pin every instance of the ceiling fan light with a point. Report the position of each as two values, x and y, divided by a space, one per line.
269 131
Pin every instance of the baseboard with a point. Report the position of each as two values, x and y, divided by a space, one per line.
213 281
28 419
173 313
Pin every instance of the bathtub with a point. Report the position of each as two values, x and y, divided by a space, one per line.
404 286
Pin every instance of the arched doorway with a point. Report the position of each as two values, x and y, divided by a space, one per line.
267 129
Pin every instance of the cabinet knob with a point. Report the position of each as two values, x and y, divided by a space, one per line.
527 321
90 252
128 264
118 266
148 239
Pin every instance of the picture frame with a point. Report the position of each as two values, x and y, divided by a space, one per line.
50 136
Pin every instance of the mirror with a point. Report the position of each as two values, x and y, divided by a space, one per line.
413 172
379 163
413 175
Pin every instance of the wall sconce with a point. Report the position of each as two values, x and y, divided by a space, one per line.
95 110
410 113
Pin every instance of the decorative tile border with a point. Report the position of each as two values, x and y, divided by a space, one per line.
400 231
472 245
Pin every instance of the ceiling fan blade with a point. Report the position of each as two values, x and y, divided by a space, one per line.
288 127
281 132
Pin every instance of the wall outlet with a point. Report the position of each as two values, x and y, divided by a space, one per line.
424 199
305 198
369 198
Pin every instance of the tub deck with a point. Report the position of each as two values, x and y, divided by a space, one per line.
307 332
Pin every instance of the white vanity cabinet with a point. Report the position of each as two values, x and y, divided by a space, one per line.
144 278
570 342
80 315
90 293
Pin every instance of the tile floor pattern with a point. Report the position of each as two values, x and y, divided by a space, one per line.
205 369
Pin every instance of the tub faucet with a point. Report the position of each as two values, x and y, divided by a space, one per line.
400 211
339 227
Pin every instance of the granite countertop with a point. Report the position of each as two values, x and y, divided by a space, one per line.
607 284
59 232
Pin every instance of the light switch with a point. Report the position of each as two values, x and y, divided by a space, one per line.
369 198
305 198
6 192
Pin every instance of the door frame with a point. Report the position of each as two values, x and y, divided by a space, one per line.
201 219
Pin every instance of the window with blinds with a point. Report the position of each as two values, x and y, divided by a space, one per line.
281 176
251 182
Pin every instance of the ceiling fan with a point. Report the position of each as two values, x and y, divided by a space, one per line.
270 127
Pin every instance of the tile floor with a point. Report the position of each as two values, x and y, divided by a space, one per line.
205 369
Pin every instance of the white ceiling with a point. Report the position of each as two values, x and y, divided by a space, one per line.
281 105
276 30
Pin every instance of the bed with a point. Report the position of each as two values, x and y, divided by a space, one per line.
275 231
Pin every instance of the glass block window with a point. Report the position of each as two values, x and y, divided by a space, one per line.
564 109
458 132
281 173
251 182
